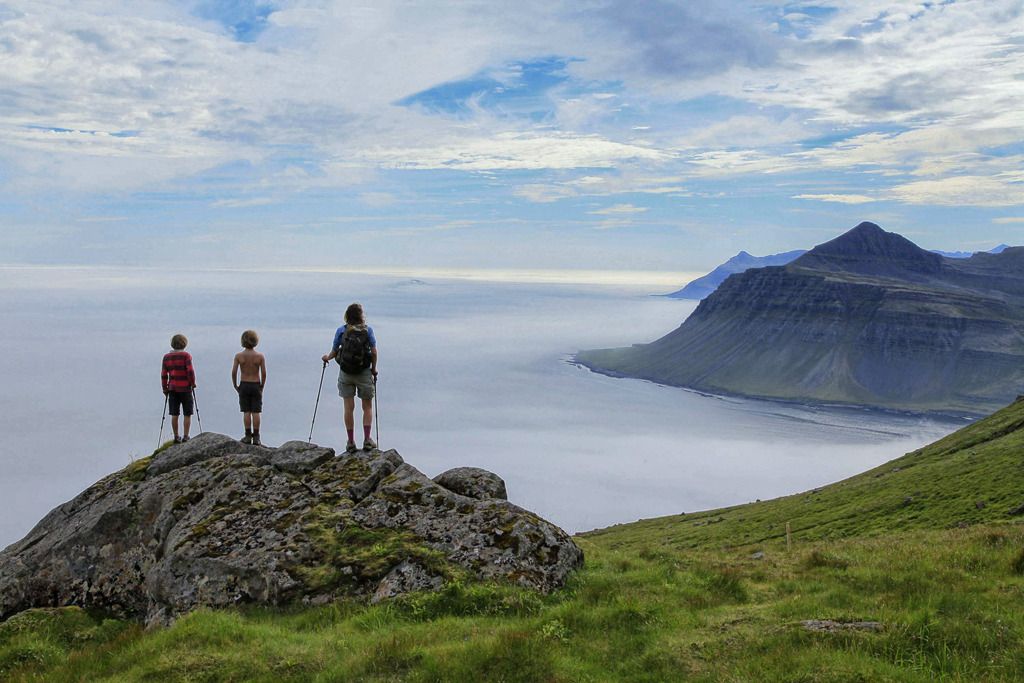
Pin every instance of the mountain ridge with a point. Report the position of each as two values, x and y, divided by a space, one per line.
868 318
701 287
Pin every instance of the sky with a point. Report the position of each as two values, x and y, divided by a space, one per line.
530 136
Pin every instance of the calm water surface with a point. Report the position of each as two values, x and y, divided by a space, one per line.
472 373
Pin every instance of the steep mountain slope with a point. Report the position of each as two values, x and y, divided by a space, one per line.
868 318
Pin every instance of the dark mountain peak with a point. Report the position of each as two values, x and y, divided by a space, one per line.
869 250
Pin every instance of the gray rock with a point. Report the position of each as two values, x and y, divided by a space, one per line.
299 457
407 577
203 447
473 482
493 538
213 522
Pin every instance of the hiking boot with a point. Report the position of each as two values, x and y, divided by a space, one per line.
256 439
350 447
369 445
247 439
177 439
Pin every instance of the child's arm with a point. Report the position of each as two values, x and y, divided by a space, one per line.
191 372
263 371
234 373
164 376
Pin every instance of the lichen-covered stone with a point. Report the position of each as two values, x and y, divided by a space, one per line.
492 538
202 447
299 457
473 482
214 522
406 578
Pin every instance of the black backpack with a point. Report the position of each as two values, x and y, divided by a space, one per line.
355 354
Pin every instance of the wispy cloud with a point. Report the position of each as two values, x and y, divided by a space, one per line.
619 210
839 198
242 203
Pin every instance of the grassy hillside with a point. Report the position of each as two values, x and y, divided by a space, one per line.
973 476
711 596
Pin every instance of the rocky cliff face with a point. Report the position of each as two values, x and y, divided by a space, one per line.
868 318
214 522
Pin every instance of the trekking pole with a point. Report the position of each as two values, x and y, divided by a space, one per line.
163 416
195 404
310 439
376 416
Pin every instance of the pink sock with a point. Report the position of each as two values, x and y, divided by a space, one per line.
351 436
366 432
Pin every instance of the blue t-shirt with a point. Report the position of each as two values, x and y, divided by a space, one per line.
341 331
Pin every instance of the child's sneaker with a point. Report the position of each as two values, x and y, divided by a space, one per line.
350 447
184 438
369 445
177 439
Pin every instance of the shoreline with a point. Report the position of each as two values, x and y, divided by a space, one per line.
810 403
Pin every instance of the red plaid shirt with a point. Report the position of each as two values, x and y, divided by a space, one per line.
177 373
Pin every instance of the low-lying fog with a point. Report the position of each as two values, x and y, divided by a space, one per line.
471 373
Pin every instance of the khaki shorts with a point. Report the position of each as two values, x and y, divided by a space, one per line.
348 384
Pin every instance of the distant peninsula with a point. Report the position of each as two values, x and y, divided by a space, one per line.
868 319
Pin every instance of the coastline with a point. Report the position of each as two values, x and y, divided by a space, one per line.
722 393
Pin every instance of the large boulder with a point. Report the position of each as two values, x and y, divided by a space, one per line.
214 522
473 482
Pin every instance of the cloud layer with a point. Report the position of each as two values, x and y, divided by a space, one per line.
581 107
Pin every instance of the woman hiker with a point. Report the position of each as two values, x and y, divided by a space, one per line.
355 349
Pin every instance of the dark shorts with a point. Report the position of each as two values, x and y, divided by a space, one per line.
250 397
178 400
361 382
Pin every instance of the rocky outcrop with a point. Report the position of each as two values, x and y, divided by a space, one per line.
868 319
214 522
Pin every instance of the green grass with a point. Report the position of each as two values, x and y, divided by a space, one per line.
667 599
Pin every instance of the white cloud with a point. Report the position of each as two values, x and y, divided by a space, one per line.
619 210
627 182
1006 189
839 198
514 151
377 198
1008 219
242 203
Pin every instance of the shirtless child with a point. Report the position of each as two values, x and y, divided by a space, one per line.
250 389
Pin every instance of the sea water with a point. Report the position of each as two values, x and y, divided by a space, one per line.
472 373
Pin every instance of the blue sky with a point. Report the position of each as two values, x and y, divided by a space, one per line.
648 135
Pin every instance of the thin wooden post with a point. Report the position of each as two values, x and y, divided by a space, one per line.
787 537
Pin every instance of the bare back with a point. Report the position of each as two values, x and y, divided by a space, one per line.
253 366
